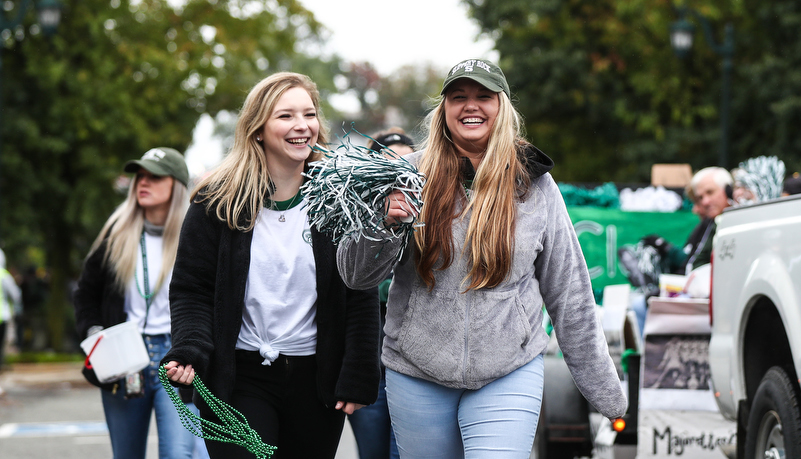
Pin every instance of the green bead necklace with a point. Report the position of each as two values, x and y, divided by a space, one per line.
234 429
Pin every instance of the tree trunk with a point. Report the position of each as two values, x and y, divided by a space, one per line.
60 314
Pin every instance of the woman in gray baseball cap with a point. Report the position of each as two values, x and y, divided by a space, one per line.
125 278
464 338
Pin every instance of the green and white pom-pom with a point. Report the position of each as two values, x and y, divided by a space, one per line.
346 193
763 175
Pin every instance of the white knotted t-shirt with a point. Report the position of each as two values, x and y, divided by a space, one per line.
280 312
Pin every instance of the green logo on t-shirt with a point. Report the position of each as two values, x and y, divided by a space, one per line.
307 236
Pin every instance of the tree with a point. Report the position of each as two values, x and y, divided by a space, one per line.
400 99
118 78
408 94
603 93
767 106
363 83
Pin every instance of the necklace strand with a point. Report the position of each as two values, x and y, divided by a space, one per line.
273 206
147 295
467 190
234 427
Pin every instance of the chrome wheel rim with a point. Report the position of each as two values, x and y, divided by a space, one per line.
770 439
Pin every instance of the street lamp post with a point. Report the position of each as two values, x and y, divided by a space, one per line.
681 39
49 15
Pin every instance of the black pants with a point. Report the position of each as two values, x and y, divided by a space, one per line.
280 402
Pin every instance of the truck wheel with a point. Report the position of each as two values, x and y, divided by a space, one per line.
774 425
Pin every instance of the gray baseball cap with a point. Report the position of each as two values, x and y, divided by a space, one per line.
481 71
162 161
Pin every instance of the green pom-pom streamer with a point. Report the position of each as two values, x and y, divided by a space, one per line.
234 428
763 175
347 190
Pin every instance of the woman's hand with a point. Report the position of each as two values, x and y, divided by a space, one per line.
179 373
398 210
348 407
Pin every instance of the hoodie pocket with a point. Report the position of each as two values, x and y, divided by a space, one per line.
499 330
432 334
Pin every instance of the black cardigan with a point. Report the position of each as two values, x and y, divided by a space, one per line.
207 295
97 301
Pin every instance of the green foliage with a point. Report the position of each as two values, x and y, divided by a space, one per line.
363 83
43 357
411 90
603 93
768 103
120 77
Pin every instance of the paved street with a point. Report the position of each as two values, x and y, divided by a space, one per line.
49 411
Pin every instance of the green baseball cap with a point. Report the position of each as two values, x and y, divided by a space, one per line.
481 71
162 161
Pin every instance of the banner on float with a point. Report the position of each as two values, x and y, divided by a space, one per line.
678 415
691 434
602 231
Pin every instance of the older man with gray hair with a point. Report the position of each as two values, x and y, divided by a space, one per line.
711 191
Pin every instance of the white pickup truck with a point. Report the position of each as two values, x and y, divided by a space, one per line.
755 348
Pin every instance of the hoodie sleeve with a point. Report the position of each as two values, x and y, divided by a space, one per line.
364 264
567 292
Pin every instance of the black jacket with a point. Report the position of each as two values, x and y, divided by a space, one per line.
207 296
97 301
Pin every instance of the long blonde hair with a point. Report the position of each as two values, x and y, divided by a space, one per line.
238 186
499 183
123 231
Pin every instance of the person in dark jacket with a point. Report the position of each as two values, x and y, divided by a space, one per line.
259 310
371 425
125 278
711 190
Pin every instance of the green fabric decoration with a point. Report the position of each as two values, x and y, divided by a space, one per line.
624 359
605 195
602 231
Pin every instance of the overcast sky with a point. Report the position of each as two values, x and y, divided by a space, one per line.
387 34
393 34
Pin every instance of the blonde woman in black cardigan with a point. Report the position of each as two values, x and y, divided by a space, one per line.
258 307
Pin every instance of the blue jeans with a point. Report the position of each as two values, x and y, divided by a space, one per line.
640 308
497 421
373 430
128 420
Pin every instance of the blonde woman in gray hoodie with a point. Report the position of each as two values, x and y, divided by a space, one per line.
464 336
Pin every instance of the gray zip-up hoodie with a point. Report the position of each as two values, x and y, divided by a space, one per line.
468 339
